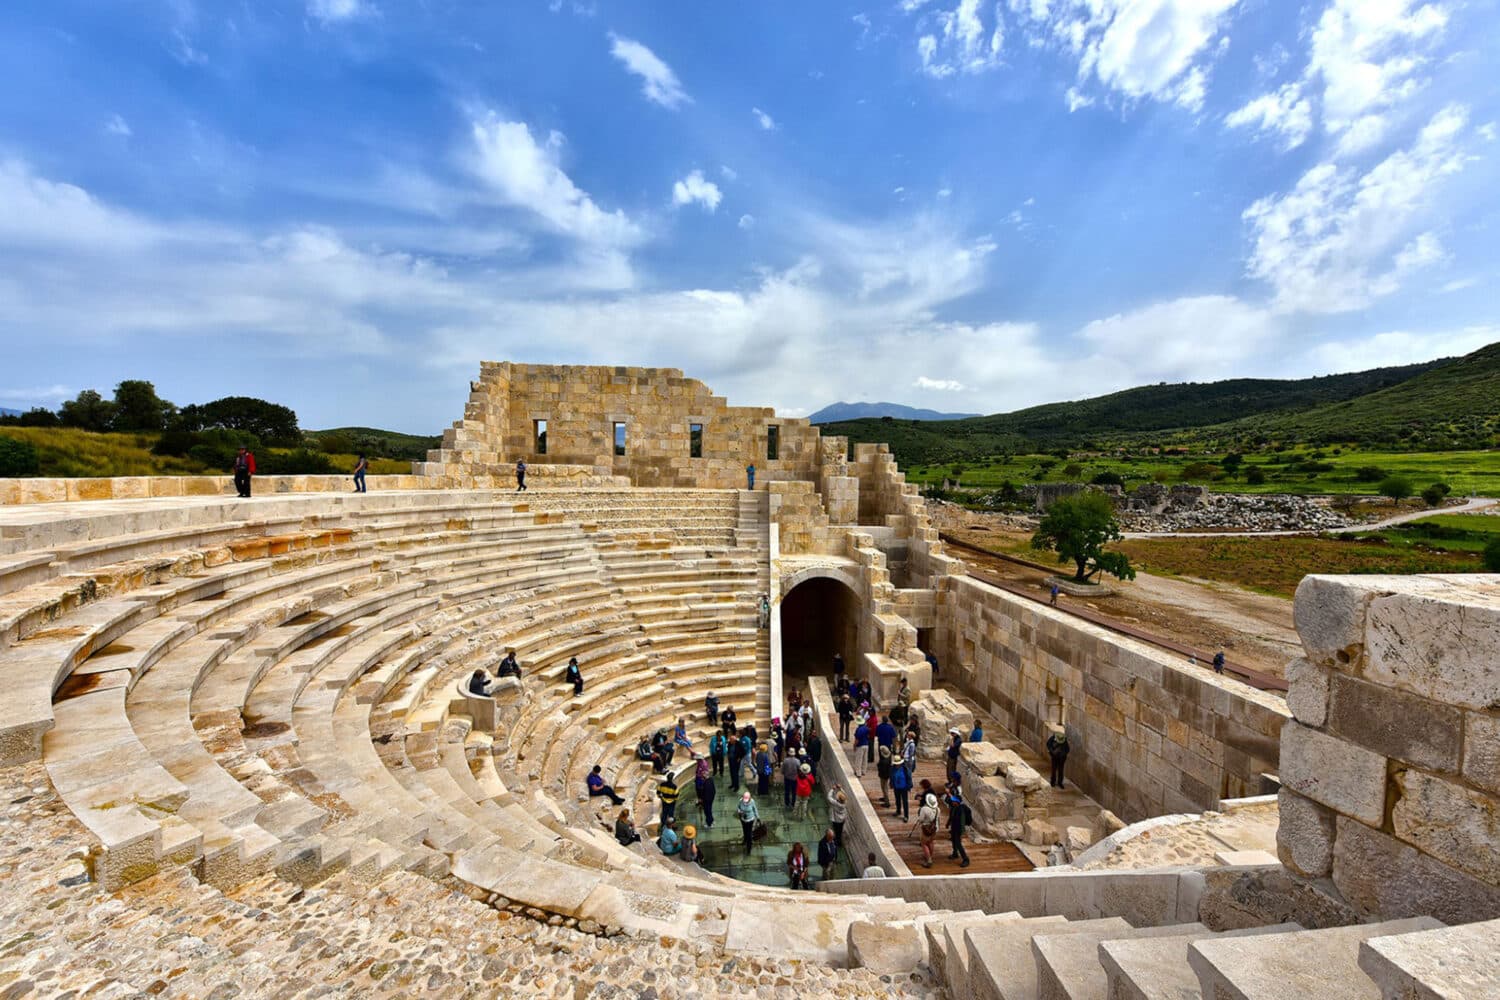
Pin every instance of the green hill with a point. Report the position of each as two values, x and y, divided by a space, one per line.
374 442
1454 405
1127 416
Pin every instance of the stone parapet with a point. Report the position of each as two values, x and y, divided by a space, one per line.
1390 770
1149 733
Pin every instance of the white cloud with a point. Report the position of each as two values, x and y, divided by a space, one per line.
1077 99
1340 239
693 188
1186 339
945 192
1367 56
764 120
1285 113
526 174
1398 347
117 126
329 11
37 394
960 40
658 82
1459 285
729 173
938 384
746 222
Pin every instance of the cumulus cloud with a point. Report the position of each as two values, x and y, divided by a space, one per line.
693 188
37 394
527 174
117 126
938 384
1340 239
1186 339
1285 113
658 82
966 39
747 221
1398 347
764 120
1367 58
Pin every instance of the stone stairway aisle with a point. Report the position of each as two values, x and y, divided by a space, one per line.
754 532
1005 956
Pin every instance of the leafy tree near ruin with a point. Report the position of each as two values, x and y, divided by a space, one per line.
17 457
89 411
139 408
275 425
1398 488
1077 528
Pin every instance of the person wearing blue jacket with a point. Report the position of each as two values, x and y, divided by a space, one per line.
749 816
901 788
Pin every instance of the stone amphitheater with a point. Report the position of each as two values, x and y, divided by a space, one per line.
237 759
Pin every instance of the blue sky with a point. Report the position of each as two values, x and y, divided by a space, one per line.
344 205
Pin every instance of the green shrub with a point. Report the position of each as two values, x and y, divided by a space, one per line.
1108 478
1434 495
1398 488
301 462
1369 474
1254 475
1492 555
17 458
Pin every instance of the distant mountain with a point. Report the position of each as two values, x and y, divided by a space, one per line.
1419 405
9 413
858 411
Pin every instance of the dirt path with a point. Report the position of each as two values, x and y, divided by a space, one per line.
1254 629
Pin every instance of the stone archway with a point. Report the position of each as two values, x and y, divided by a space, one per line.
819 616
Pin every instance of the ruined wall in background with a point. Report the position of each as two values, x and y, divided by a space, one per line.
1151 734
1391 769
658 406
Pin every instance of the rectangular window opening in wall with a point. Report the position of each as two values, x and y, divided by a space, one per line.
619 437
539 436
695 440
773 442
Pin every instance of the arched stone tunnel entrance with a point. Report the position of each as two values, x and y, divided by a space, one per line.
819 617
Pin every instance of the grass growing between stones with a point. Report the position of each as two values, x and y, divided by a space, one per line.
1276 565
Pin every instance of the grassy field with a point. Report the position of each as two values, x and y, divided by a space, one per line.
1467 473
1277 565
65 452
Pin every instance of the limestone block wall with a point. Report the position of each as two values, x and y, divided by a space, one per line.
1149 733
1391 769
582 403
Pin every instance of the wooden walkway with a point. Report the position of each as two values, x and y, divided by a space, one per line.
992 858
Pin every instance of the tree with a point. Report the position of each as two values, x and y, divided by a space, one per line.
1077 528
89 411
1255 475
1434 494
1398 488
1492 555
275 425
1231 461
139 408
1108 478
38 416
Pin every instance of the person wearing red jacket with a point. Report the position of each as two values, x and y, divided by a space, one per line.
244 468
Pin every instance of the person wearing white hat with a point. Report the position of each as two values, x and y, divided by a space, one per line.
805 783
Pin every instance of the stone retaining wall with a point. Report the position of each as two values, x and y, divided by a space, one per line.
1391 769
863 833
1150 734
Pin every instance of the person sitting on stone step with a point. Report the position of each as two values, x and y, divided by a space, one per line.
711 708
625 832
574 676
727 720
872 870
680 735
643 750
597 787
509 666
661 743
668 840
479 683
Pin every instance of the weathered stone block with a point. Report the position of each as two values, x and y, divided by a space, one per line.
1077 840
1396 724
1344 777
1329 612
991 803
1482 751
1438 637
1304 838
884 949
938 711
1307 694
1452 823
980 760
1380 876
1040 833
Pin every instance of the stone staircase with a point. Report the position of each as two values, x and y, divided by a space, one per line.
1005 956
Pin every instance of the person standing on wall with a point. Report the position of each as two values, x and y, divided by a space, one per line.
1057 749
750 476
1219 662
360 468
521 476
1055 590
244 468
